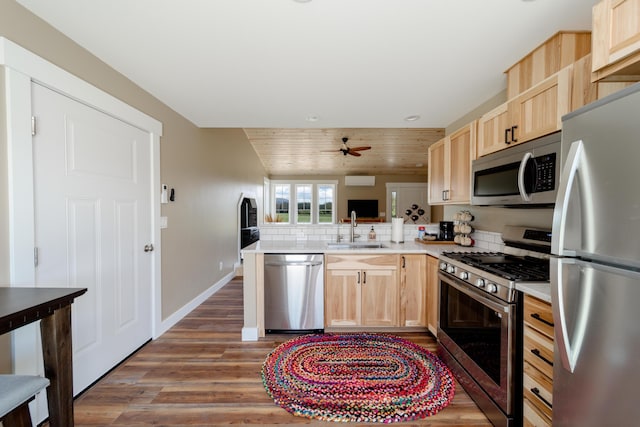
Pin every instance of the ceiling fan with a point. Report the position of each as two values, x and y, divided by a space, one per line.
345 149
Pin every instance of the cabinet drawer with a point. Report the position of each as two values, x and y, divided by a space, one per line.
538 389
538 351
538 315
533 417
362 261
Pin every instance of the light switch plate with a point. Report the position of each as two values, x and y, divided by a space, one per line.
163 222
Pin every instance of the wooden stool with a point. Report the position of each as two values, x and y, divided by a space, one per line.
16 391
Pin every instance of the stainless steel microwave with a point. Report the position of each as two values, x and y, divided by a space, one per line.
525 174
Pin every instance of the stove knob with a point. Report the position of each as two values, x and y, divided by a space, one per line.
480 283
451 269
443 266
463 275
492 288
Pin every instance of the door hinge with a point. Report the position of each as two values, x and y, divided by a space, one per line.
33 125
35 257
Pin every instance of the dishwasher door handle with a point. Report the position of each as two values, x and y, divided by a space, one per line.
296 264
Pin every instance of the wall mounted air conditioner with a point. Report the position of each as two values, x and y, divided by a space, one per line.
360 180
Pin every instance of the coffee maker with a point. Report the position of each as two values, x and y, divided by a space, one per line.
446 231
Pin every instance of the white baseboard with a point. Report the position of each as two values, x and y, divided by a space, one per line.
191 305
249 334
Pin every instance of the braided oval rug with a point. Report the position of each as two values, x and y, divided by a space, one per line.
370 378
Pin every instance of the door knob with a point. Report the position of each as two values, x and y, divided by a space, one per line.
148 248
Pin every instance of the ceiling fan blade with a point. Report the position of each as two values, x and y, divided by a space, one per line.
330 151
354 153
360 148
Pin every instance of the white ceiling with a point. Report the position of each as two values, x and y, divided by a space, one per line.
350 63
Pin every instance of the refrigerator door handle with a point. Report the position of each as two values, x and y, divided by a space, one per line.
575 163
569 347
523 166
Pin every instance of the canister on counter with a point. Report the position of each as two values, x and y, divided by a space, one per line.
421 232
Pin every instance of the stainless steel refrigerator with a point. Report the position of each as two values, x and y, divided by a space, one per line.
595 271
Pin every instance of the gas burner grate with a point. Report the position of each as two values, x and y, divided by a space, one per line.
510 267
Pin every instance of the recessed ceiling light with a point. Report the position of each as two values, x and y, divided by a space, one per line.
411 118
312 118
302 1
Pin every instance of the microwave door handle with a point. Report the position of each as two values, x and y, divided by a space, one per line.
523 166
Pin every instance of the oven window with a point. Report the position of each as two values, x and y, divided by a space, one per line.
498 181
475 328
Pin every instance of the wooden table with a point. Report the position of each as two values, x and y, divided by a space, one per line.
52 306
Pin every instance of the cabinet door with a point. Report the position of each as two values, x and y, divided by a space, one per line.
616 38
437 161
491 130
379 297
538 111
461 153
433 295
342 298
413 290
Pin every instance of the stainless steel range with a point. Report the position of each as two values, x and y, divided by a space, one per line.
480 327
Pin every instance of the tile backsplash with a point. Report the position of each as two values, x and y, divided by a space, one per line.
485 240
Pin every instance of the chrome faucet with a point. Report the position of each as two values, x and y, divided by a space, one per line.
354 224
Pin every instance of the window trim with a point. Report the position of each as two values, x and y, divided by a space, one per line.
315 213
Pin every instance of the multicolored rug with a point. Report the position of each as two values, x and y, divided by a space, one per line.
357 377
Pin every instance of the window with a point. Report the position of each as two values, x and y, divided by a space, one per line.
304 202
326 202
281 201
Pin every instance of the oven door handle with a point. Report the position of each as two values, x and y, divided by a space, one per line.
506 308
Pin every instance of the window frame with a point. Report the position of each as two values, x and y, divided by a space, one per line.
315 196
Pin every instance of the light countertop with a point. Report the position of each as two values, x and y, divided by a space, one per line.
308 246
538 290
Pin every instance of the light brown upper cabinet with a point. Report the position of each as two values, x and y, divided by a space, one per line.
558 51
492 130
616 40
534 113
450 166
584 91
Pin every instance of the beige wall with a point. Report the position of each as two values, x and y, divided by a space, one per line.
477 112
5 342
208 168
378 191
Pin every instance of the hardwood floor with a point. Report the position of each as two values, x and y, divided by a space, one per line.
200 373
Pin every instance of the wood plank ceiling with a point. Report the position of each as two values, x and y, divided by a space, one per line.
401 151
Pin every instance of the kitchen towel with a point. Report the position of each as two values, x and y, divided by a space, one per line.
397 230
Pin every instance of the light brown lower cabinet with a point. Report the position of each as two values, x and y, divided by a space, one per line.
433 294
413 290
538 363
361 290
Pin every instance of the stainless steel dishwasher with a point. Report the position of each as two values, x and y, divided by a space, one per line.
293 293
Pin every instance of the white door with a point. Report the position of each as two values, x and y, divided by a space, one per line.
92 202
409 201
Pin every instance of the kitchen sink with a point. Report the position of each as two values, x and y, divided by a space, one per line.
356 245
